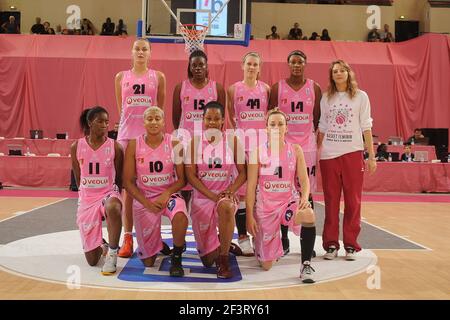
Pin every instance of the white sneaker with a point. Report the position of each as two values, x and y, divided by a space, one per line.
350 254
246 247
109 268
331 254
306 272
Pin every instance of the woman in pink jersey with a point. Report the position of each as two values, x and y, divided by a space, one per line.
272 197
211 169
299 98
345 120
97 166
247 107
136 90
191 96
153 174
189 99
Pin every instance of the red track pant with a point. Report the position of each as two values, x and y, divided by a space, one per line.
342 173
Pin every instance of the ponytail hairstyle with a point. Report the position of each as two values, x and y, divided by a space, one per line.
254 55
88 115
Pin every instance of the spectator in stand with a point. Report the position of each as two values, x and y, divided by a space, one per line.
38 28
87 27
373 35
325 36
58 29
407 156
47 29
11 26
295 33
314 36
77 32
274 35
121 29
386 35
108 28
382 154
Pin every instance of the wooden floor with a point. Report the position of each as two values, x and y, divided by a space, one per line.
407 274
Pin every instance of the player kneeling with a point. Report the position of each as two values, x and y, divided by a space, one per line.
153 174
272 198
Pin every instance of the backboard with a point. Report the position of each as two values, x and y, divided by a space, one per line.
226 20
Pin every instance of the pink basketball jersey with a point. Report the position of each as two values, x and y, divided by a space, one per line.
250 105
138 93
155 168
192 102
215 165
298 106
98 173
276 178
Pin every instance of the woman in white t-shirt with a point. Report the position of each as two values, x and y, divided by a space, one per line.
345 118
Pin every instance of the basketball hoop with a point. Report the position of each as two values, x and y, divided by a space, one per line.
194 36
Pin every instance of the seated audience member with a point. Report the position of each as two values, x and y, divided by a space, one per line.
274 35
121 28
314 36
382 154
295 33
47 29
373 35
325 36
11 26
407 156
108 28
386 35
417 135
37 28
87 27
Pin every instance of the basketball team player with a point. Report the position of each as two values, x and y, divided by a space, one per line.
299 98
97 165
136 90
153 174
191 95
247 107
272 197
210 169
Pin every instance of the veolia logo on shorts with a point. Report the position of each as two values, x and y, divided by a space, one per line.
252 115
298 118
139 101
98 182
155 180
277 186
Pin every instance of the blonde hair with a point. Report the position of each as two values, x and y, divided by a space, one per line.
273 111
153 108
254 55
352 85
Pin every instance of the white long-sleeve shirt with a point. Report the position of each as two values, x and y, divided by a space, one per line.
343 121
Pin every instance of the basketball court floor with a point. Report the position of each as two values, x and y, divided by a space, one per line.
404 236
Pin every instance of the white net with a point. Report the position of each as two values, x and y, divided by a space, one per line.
194 36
